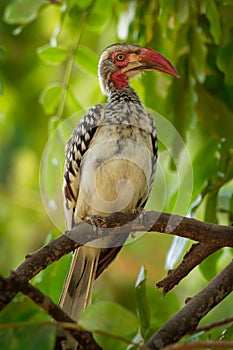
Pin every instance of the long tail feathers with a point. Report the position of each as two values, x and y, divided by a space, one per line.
76 294
77 291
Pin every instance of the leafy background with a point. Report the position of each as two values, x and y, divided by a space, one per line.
49 54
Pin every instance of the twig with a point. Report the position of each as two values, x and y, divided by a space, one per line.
187 319
83 337
213 325
120 224
201 344
197 253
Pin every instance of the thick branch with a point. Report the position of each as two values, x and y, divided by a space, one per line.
153 221
187 319
83 337
120 224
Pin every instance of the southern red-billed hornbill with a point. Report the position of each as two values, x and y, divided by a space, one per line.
110 164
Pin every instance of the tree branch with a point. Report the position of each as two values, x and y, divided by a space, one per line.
84 338
187 319
116 225
197 253
213 325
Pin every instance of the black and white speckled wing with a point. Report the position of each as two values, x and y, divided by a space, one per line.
76 147
154 145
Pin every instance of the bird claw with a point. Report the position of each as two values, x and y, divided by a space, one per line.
140 213
96 223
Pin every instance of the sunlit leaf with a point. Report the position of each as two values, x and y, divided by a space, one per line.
52 55
141 299
87 59
50 97
22 11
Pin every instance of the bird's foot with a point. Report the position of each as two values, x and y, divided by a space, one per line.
140 212
97 223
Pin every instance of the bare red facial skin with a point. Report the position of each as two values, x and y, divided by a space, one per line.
119 79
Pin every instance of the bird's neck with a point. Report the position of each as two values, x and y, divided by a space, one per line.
125 108
125 95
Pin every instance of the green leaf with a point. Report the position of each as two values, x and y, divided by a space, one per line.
181 12
204 167
225 62
161 308
23 11
2 53
99 316
50 97
75 105
97 20
208 267
216 117
52 55
212 14
142 304
100 15
87 59
227 334
211 208
228 2
199 53
76 13
28 337
111 318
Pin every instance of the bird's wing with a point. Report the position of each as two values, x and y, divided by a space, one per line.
154 150
76 147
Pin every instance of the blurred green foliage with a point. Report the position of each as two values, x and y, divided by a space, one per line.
48 56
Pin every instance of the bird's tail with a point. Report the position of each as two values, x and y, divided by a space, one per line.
77 291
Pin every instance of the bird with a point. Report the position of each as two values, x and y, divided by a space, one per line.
110 164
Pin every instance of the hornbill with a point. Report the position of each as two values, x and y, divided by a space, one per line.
110 165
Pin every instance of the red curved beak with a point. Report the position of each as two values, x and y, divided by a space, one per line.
152 60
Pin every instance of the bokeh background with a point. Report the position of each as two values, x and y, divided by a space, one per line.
48 57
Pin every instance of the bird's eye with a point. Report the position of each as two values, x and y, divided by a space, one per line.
120 57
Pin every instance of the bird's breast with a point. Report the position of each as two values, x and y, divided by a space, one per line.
115 172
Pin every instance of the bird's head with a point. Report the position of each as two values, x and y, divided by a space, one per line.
119 62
